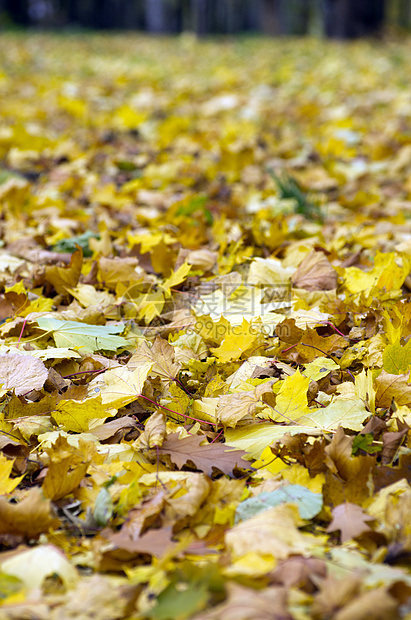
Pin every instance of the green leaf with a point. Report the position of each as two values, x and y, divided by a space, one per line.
364 442
347 413
103 508
70 245
256 437
175 604
87 338
309 503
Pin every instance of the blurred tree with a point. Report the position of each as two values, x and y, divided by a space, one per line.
348 19
398 13
17 11
200 16
271 17
341 18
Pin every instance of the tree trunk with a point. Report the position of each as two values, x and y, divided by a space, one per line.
271 17
18 11
200 13
155 16
348 19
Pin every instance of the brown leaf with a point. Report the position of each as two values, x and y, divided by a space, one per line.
299 572
22 373
288 332
384 476
143 516
335 594
246 603
315 273
347 476
154 431
389 387
377 604
111 271
115 430
312 345
31 517
27 248
153 542
204 457
390 444
351 520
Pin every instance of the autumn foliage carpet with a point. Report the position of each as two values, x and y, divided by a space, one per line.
205 329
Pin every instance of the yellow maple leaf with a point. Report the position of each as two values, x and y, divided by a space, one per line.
74 415
7 484
120 386
291 402
176 278
238 340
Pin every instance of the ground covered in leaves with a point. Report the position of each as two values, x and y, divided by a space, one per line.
205 329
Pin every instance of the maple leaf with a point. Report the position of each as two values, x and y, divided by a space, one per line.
348 414
7 484
22 373
244 603
396 358
153 542
76 416
65 278
315 273
87 338
235 344
67 468
273 531
389 387
204 457
154 431
120 386
30 517
232 408
291 402
161 357
351 520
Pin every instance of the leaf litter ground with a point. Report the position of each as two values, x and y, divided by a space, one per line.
205 329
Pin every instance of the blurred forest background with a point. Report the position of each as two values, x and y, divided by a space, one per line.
333 18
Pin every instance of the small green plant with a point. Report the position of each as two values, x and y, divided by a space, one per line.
289 188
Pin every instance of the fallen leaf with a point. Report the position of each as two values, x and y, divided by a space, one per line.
65 278
76 416
205 457
153 542
309 504
315 273
245 603
22 373
30 517
161 357
34 565
351 520
83 337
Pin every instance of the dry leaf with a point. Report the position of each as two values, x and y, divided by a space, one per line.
351 520
204 456
315 273
30 517
22 373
